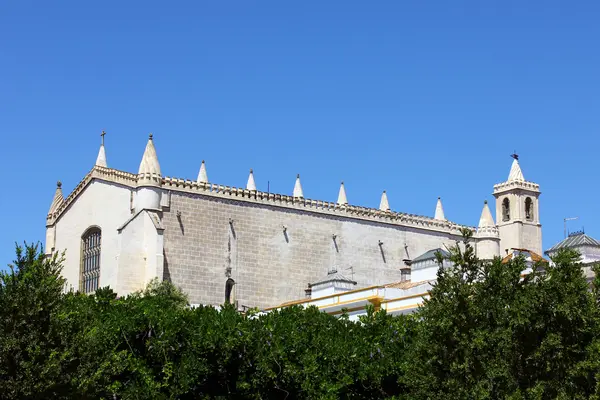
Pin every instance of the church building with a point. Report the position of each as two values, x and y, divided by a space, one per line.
254 248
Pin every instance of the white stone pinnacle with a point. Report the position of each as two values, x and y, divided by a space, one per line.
298 188
515 172
486 219
439 210
342 199
149 165
101 159
57 200
384 204
202 176
251 185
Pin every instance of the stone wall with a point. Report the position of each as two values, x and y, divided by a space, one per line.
273 252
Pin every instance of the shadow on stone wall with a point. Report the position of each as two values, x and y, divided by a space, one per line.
166 272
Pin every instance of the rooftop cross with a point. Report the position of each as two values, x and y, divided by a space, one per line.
515 155
102 135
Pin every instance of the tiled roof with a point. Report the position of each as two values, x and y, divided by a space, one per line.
430 255
535 257
575 239
333 276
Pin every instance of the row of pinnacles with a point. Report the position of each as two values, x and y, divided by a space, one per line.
149 175
150 183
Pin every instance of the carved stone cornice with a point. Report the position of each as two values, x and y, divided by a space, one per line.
98 172
271 199
488 231
316 206
525 185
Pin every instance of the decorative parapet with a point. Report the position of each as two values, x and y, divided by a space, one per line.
149 179
501 187
488 231
258 197
98 172
114 175
319 206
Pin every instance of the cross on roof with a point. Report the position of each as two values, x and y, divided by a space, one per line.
102 135
515 155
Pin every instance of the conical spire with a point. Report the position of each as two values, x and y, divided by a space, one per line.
439 210
515 172
342 199
58 198
486 219
202 176
298 188
251 185
149 171
384 204
101 159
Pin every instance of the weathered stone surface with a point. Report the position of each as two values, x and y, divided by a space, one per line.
271 264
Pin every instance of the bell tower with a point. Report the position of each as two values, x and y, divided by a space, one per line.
518 212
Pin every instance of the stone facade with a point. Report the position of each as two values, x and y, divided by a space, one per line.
198 235
274 252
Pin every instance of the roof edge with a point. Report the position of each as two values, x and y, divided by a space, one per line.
279 200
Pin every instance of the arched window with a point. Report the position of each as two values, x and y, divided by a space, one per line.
90 260
505 209
228 289
528 209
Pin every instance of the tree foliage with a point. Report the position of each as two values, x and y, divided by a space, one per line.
488 331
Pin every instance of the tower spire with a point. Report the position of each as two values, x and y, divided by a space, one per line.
57 200
298 188
202 176
384 204
342 199
101 159
251 185
515 173
439 210
149 171
486 219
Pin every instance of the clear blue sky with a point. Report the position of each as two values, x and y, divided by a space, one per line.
423 99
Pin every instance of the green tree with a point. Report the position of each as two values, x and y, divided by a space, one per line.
127 347
488 332
32 350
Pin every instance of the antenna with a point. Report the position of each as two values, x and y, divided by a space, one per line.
565 223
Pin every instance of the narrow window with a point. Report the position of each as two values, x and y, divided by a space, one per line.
228 289
528 209
505 210
90 260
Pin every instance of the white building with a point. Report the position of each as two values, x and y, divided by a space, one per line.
221 243
588 248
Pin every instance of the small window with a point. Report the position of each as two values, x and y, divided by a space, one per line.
528 209
90 260
505 210
228 289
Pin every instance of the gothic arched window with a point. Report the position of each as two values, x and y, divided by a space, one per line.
505 209
228 289
89 277
528 209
